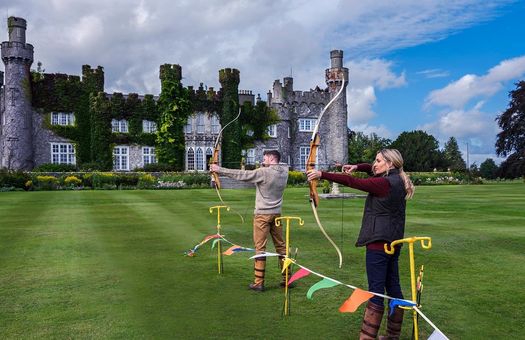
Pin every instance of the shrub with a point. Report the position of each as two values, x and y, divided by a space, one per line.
146 181
72 181
46 182
296 178
126 181
104 180
13 179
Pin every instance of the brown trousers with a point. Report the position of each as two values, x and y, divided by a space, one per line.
264 225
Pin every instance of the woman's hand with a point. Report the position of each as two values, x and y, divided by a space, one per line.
312 175
349 168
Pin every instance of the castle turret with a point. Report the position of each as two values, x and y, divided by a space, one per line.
336 120
16 147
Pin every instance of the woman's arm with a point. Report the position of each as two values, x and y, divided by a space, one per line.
377 186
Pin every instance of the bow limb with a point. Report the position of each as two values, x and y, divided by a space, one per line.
314 209
215 160
315 141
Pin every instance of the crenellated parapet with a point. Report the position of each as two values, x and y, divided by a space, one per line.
171 72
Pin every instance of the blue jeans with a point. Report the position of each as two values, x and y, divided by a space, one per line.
383 274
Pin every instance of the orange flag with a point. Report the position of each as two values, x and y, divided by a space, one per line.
229 251
355 300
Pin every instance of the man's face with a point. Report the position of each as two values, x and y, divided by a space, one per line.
267 160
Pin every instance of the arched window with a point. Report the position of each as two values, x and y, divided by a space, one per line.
190 159
209 155
199 159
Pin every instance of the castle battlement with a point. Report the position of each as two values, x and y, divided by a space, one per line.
12 50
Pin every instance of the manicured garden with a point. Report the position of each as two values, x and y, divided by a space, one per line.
110 264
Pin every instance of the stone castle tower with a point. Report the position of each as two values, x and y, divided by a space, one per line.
16 144
299 111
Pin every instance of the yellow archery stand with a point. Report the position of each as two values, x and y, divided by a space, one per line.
219 250
410 242
278 223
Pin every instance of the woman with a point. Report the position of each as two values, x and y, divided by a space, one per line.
383 222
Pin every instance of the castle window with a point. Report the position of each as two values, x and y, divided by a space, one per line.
272 130
200 123
121 158
119 125
190 159
199 159
63 153
148 126
209 156
307 125
289 132
250 156
148 155
188 128
304 151
215 125
62 118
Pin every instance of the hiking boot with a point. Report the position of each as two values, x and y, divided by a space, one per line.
256 287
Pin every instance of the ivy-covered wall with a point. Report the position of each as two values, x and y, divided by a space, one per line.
94 110
231 141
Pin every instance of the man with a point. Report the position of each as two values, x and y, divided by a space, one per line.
270 181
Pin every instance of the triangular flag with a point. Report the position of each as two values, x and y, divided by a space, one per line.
355 300
230 250
437 335
395 302
286 263
324 283
298 275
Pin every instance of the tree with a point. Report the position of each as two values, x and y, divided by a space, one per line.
488 169
452 156
255 121
420 151
363 148
511 140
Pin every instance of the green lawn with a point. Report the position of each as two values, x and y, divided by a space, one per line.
110 264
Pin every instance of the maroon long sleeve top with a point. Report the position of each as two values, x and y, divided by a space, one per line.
377 186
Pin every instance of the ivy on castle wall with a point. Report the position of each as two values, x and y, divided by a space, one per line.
231 136
101 138
174 107
256 119
65 93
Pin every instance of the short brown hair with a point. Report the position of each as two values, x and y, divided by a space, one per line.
274 153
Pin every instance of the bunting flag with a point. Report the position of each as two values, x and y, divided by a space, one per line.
286 263
298 275
192 251
355 300
324 283
437 335
396 302
235 249
265 254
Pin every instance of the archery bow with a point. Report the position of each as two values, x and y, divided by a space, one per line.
315 141
215 160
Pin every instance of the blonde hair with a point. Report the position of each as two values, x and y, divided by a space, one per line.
394 156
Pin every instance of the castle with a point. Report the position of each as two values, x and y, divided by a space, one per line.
68 119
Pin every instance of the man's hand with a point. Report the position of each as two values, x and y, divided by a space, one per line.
313 175
214 168
349 168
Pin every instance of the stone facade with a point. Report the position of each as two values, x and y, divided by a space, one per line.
25 142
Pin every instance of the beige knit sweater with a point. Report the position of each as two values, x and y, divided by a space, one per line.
269 183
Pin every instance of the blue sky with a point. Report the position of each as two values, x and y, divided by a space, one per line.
442 66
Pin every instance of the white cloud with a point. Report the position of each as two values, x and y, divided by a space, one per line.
460 92
381 130
434 73
263 39
360 102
